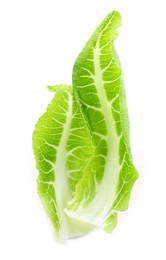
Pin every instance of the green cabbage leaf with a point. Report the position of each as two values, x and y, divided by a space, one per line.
82 144
98 84
61 140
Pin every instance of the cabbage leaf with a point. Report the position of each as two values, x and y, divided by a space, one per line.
98 84
82 143
60 140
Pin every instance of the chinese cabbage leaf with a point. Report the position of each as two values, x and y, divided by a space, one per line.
55 150
98 84
82 145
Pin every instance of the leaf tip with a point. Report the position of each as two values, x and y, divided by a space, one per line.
114 17
59 88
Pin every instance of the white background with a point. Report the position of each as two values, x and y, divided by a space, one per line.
39 41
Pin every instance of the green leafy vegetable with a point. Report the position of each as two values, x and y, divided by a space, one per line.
98 83
81 143
58 140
